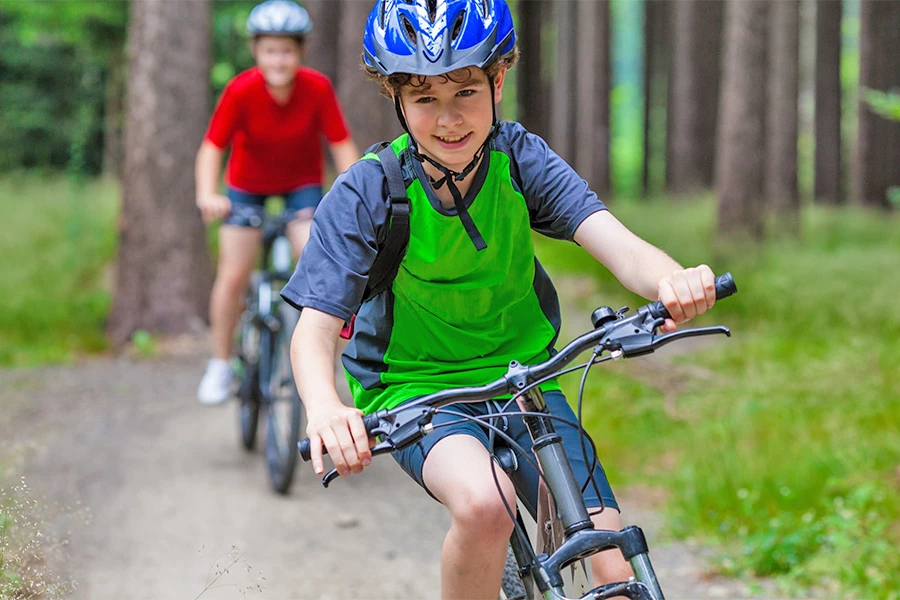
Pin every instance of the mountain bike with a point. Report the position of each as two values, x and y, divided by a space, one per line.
263 364
551 564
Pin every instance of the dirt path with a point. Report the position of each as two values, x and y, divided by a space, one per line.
150 494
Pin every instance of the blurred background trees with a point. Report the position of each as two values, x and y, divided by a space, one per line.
631 92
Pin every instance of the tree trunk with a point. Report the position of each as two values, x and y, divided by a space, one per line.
163 272
828 166
741 165
371 116
694 84
657 49
562 114
322 44
532 90
784 60
591 135
878 150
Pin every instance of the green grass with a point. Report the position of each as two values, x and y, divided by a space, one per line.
58 240
788 456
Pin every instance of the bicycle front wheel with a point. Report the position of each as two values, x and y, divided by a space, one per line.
247 346
512 587
284 411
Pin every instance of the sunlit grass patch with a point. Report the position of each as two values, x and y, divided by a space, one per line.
23 574
58 242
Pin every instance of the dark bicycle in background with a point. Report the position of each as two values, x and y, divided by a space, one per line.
263 365
549 561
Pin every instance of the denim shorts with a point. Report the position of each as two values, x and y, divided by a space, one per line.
247 209
525 477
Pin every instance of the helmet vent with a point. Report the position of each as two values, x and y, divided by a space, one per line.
432 10
486 8
457 25
408 29
381 14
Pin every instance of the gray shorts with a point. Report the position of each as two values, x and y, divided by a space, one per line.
525 477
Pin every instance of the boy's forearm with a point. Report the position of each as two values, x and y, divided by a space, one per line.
636 263
207 168
344 154
312 358
649 266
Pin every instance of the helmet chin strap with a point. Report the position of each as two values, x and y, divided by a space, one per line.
450 176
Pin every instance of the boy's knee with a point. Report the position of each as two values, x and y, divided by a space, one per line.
485 513
233 280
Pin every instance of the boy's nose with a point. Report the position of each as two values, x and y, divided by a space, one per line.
449 117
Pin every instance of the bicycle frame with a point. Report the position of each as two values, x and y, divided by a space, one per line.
267 323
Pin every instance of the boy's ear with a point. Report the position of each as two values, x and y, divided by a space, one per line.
498 84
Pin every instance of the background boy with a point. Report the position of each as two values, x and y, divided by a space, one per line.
273 116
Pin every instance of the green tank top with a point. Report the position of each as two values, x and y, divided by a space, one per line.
457 316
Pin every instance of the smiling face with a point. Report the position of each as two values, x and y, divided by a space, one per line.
450 115
278 59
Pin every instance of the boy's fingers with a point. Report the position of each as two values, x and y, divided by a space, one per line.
361 437
669 326
698 293
349 461
315 453
685 296
334 451
670 300
708 279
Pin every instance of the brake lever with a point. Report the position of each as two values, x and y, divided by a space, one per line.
384 447
664 339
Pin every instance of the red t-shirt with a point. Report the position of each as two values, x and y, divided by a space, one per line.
274 148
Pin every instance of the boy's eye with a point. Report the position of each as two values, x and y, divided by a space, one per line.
465 93
424 100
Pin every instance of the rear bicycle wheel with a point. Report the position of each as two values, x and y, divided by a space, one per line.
284 411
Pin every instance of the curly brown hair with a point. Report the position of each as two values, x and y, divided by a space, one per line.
389 85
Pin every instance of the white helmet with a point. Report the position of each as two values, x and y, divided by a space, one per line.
279 17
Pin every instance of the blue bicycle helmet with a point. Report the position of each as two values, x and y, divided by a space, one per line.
433 37
279 17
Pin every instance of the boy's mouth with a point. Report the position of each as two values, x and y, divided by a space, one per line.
451 142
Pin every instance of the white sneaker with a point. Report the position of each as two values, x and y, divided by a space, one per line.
215 387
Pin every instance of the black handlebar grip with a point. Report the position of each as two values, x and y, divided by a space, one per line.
725 287
370 421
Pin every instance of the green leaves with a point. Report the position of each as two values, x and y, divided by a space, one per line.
886 104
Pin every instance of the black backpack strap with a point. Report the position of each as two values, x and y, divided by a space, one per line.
387 263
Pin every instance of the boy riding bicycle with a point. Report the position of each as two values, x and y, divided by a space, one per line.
469 296
273 116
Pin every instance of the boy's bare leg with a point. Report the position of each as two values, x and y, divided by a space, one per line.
298 231
610 565
458 472
238 248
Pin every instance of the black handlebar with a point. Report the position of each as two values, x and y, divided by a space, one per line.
725 287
